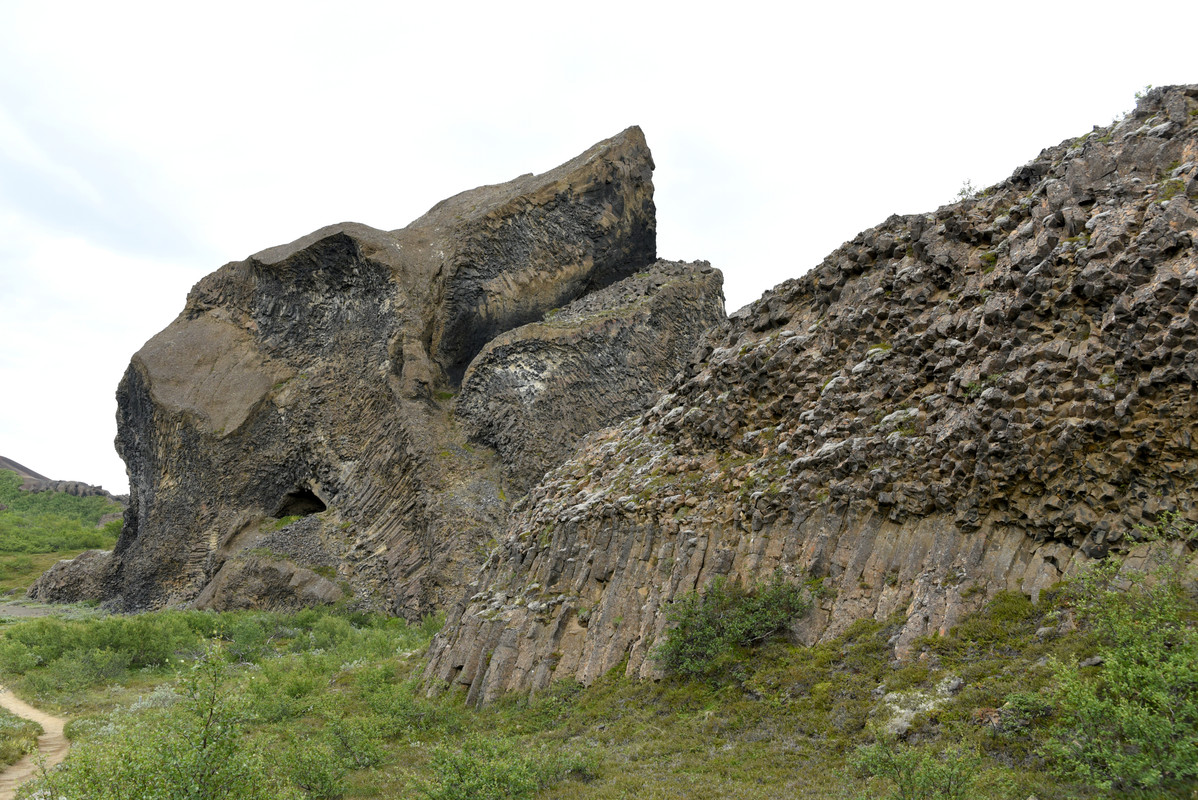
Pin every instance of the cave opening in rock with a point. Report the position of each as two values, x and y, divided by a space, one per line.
300 503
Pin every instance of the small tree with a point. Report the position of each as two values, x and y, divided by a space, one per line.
917 773
195 750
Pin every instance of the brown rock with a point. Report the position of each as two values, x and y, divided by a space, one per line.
960 438
315 379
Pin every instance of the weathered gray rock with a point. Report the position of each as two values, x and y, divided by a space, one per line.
299 408
250 580
81 578
533 392
951 404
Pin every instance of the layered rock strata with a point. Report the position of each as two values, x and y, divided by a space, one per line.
950 405
290 436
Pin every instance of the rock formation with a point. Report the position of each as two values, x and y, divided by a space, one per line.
951 404
613 349
291 436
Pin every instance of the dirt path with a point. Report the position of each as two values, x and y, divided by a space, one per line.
19 609
52 744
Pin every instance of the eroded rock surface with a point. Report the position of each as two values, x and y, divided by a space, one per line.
949 405
293 427
533 391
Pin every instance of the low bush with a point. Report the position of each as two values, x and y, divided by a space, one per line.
1130 722
918 773
707 628
493 768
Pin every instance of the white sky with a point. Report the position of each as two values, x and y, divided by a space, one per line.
142 145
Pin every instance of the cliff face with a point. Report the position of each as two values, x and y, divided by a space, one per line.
291 436
532 392
949 405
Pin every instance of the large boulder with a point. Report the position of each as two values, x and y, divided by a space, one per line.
299 409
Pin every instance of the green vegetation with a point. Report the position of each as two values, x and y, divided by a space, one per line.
709 628
329 704
1170 189
1169 527
39 528
915 773
18 736
1133 724
483 768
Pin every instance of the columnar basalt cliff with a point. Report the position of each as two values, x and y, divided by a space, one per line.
950 405
531 393
291 435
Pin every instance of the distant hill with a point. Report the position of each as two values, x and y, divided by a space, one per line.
36 482
23 471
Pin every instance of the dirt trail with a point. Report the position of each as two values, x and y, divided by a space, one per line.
52 744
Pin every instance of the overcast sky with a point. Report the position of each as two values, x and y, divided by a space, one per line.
142 145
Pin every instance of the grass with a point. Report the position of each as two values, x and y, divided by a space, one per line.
335 699
39 528
18 736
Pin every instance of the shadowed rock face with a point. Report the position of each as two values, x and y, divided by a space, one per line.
297 415
949 405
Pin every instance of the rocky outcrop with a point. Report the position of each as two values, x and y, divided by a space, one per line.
949 405
534 391
83 577
295 421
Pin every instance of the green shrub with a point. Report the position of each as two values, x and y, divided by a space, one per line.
1131 722
403 709
918 773
77 671
59 657
314 768
195 750
708 627
247 637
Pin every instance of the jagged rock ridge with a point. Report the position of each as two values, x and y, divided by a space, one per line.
949 405
297 417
